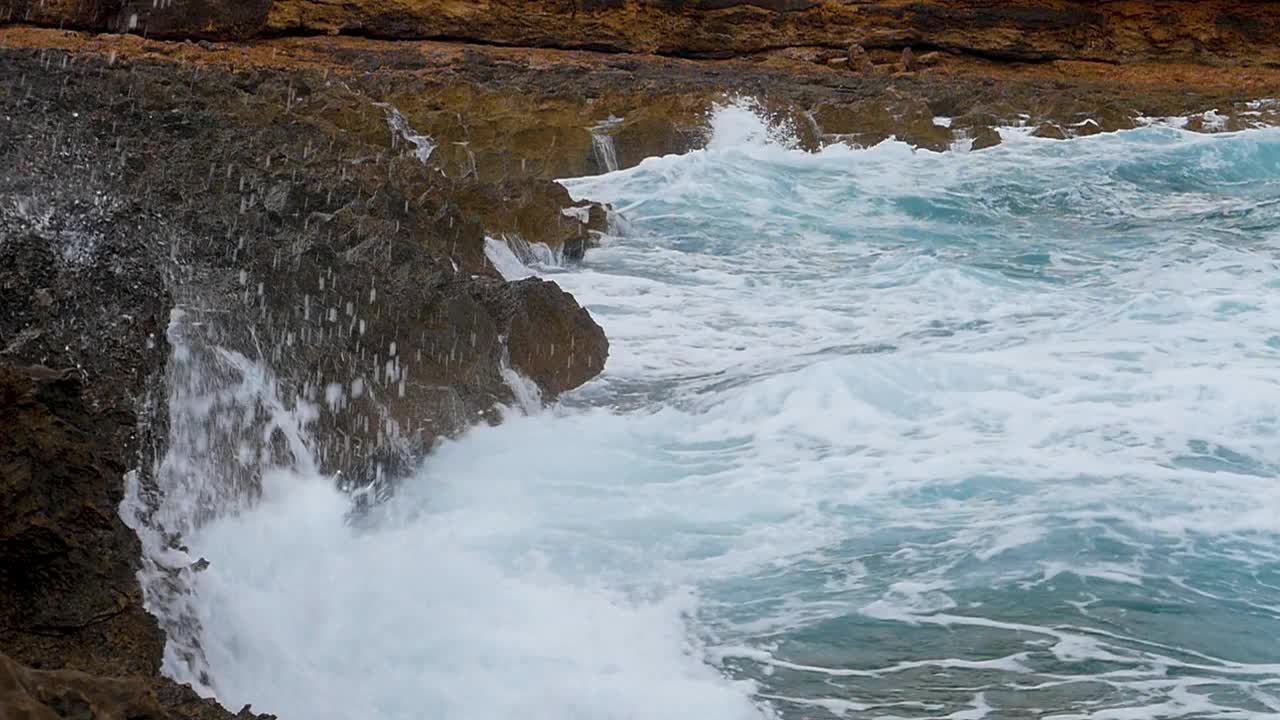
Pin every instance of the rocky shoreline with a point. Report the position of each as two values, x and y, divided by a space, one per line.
313 186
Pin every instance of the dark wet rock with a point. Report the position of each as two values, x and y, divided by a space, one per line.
71 614
82 290
67 562
1050 130
307 234
985 137
551 338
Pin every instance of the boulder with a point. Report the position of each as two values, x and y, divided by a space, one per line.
1050 130
984 137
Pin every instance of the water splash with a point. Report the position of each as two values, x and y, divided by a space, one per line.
883 434
227 426
514 258
423 145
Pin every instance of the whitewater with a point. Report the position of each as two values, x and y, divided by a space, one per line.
884 433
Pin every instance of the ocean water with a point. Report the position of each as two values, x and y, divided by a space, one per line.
884 434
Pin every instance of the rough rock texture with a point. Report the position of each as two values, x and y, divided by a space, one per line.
294 222
1241 31
305 231
67 563
30 694
81 289
27 694
71 605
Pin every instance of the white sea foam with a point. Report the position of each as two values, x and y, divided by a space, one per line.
883 433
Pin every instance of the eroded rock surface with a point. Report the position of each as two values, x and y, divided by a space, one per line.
303 230
72 623
30 694
1242 31
67 563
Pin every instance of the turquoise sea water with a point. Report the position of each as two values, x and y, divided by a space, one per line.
884 434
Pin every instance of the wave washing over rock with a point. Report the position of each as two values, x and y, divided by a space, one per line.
885 433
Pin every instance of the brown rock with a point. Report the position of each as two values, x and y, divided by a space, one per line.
1087 127
859 60
908 62
866 123
27 694
70 14
930 59
195 19
31 694
923 132
1050 130
531 209
1240 31
67 562
70 604
985 137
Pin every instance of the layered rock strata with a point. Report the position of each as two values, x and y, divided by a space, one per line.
1240 31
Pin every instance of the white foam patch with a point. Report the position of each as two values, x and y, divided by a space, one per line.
420 612
504 260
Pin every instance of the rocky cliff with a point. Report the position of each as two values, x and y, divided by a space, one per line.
310 187
1243 31
158 221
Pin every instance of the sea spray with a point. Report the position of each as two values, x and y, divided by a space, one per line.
883 433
